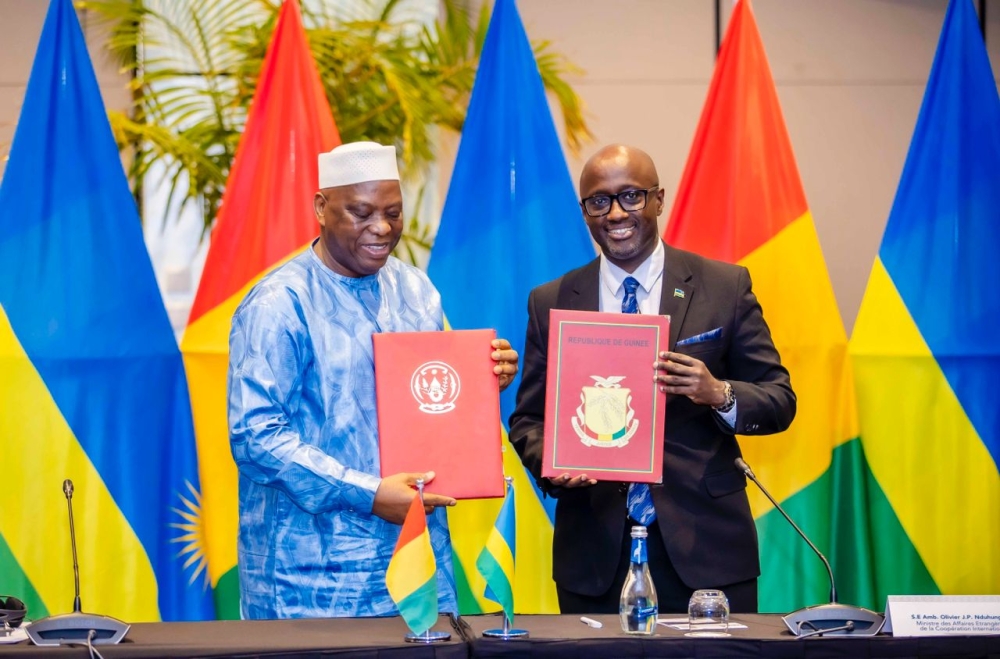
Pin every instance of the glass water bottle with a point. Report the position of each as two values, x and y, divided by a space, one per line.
638 608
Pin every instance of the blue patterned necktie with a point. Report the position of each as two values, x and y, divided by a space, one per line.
640 499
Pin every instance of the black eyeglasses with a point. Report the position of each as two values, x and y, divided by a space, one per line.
629 200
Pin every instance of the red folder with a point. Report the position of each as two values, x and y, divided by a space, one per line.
438 405
604 413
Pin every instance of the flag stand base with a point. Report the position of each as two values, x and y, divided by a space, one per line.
427 637
506 633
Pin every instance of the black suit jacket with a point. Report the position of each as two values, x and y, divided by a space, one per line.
702 506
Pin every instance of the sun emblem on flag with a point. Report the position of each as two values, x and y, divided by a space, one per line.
192 535
605 417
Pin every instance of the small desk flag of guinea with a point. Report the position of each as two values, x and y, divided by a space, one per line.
412 574
496 562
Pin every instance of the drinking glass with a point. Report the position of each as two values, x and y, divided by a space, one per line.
708 613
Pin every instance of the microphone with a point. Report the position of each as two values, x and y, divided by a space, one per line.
833 618
68 491
76 627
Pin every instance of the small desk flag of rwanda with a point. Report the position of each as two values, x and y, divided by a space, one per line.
496 564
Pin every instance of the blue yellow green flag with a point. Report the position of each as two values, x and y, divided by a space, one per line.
496 562
926 345
93 386
510 222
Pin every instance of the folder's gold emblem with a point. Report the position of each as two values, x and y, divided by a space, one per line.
605 417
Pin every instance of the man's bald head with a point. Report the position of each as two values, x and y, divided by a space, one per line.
635 160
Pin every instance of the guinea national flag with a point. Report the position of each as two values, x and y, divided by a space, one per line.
741 200
411 577
265 219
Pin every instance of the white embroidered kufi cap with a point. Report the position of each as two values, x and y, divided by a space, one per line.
357 162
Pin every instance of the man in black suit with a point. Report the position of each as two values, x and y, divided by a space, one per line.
723 377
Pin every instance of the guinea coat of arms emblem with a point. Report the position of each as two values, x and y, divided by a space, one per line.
605 417
436 386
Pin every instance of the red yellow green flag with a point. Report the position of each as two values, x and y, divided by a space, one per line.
741 200
266 218
412 574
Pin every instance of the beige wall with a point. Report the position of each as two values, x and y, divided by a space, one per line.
850 76
20 27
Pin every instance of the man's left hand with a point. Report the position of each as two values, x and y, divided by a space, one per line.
684 375
506 362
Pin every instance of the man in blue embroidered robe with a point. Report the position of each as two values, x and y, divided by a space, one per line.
318 522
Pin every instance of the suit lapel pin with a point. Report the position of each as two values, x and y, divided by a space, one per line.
678 293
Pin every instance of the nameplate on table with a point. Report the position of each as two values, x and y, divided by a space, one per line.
942 615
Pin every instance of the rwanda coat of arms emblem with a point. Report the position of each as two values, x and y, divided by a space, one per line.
435 385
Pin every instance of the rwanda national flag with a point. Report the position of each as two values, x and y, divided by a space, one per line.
926 345
496 562
511 222
92 384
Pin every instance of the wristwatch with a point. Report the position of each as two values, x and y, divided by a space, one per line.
730 398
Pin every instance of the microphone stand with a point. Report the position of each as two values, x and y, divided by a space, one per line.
832 618
68 491
76 627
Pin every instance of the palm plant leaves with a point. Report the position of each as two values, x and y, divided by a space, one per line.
390 74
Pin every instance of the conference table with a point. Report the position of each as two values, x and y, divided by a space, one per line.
556 636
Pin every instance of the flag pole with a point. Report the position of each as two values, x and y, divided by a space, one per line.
507 632
428 636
